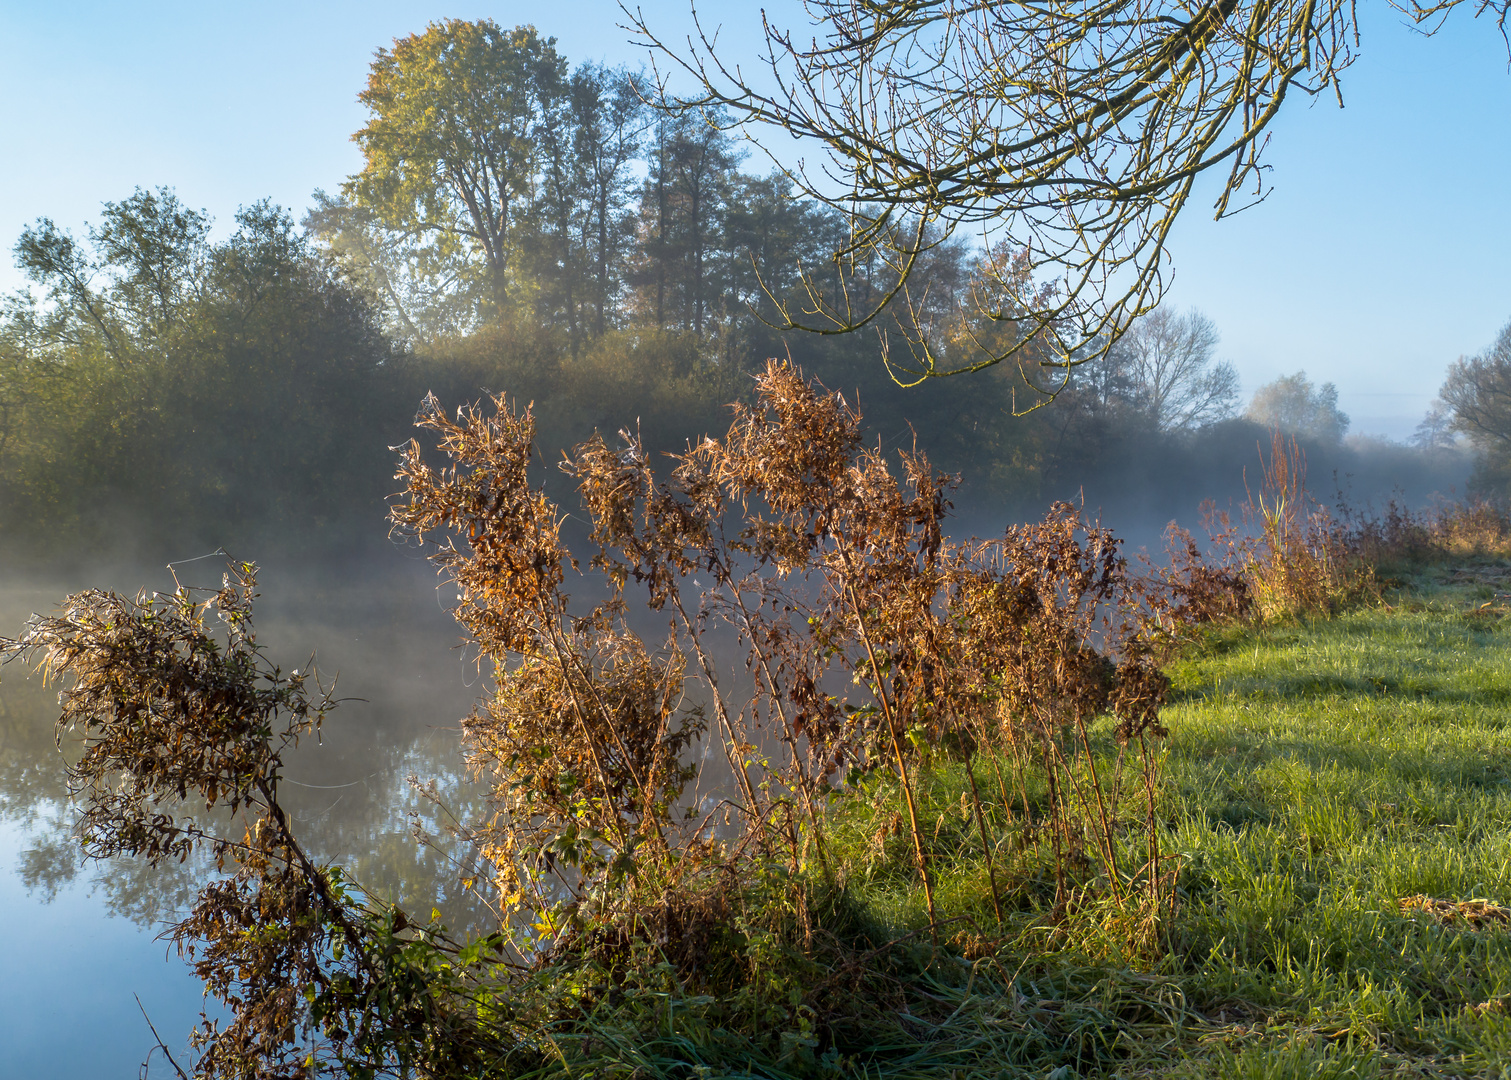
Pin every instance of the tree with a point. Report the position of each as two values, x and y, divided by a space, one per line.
423 296
452 150
584 224
132 287
1436 431
683 205
1293 405
1477 392
609 120
1070 132
203 385
1168 374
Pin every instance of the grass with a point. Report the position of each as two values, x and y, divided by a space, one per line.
1318 774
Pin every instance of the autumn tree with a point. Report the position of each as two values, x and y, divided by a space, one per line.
423 295
451 152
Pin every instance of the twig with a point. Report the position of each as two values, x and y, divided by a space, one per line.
160 1044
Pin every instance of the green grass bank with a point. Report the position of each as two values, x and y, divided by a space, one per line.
1326 783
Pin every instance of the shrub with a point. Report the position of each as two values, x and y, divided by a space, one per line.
834 574
1300 559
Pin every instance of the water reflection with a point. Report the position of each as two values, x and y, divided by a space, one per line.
382 630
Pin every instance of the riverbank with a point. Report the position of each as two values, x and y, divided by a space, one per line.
1339 799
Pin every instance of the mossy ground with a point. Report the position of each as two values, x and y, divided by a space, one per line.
1318 774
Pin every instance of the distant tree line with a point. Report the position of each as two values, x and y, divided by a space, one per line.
526 227
159 378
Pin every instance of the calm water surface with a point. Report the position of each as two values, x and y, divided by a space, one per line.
80 942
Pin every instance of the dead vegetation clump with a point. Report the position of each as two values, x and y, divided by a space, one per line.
1475 914
872 643
1194 587
1289 557
1301 560
1472 529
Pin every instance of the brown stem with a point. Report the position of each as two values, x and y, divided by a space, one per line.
587 733
1057 820
1007 805
1151 824
902 768
337 911
1086 813
160 1044
731 742
1106 834
986 847
788 734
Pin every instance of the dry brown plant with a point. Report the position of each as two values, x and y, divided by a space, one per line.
869 642
1054 633
1472 528
586 726
1196 587
1301 559
181 728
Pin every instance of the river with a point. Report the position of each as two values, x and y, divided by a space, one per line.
81 943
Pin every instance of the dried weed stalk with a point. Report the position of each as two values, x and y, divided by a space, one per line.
1301 560
869 641
1052 634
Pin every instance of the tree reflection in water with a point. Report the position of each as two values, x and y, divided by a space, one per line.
404 687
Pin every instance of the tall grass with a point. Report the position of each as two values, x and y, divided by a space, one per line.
1300 559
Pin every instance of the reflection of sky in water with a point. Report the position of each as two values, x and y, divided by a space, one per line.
71 970
75 961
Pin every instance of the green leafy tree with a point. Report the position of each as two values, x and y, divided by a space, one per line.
679 268
423 296
187 387
610 121
452 150
583 216
1293 405
129 284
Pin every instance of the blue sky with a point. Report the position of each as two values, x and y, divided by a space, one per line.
1383 254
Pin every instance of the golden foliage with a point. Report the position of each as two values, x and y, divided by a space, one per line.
871 642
